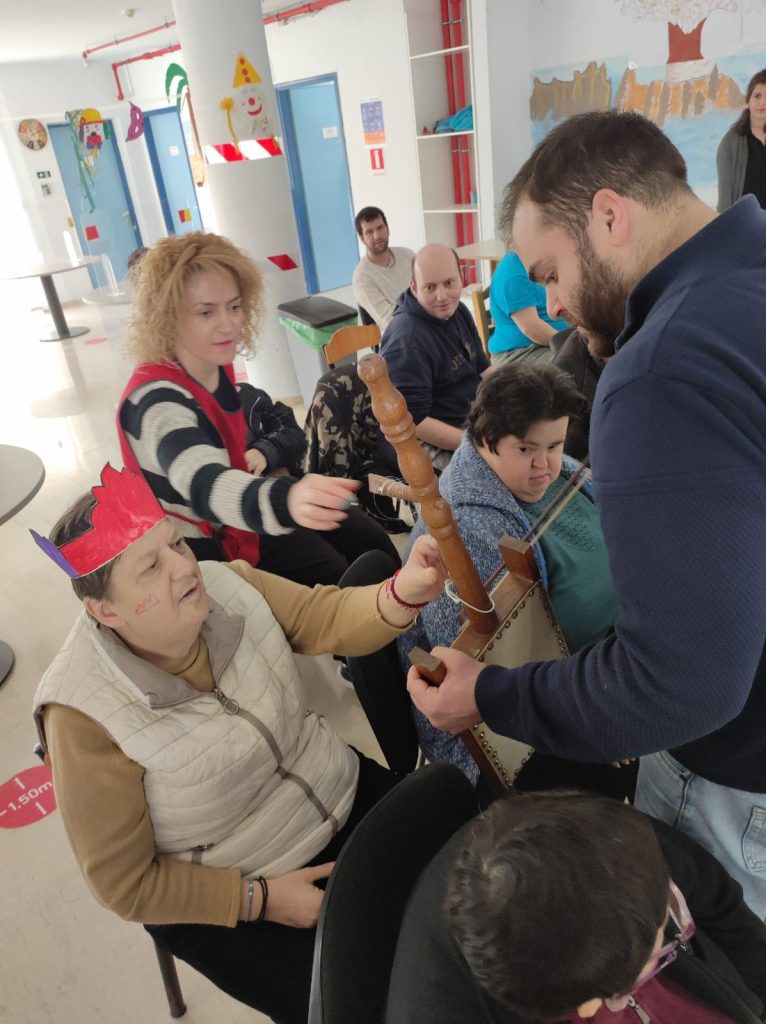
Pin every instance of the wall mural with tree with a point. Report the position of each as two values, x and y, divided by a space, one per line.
692 98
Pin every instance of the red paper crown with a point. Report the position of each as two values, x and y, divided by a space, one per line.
125 510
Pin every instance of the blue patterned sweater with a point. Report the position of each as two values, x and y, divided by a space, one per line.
485 510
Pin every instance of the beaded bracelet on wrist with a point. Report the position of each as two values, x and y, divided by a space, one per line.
391 592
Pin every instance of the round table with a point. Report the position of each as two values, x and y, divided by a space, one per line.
45 272
21 477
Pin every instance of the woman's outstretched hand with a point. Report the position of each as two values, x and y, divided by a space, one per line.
422 576
419 581
320 502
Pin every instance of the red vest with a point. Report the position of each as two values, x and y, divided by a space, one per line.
232 429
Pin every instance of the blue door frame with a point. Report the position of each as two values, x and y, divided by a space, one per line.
311 258
186 187
108 242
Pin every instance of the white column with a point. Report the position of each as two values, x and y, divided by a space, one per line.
250 197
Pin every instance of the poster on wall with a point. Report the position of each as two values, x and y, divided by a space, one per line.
372 122
32 133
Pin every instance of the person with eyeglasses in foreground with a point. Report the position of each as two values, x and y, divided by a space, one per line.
565 906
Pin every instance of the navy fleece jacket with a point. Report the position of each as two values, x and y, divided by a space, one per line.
678 443
436 364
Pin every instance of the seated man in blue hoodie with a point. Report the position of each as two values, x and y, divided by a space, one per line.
434 353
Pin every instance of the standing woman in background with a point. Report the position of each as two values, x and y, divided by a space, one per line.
182 426
741 157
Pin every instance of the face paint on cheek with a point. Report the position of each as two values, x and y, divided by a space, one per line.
148 602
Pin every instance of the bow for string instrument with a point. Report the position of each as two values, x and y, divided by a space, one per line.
509 625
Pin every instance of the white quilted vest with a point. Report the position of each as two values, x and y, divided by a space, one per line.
244 777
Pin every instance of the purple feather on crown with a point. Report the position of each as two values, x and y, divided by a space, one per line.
53 553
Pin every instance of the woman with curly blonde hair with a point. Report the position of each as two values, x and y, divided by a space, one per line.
199 301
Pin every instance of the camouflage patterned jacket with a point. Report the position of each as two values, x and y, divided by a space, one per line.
341 431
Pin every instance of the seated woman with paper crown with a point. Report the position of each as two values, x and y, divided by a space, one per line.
201 796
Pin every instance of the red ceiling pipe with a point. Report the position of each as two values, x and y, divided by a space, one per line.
143 56
292 12
296 12
126 39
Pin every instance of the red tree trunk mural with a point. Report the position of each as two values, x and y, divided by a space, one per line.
684 45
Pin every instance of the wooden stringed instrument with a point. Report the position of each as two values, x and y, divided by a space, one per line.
512 624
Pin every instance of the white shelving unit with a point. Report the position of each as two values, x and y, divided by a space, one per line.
439 153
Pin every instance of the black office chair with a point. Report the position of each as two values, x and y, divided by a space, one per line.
379 680
369 887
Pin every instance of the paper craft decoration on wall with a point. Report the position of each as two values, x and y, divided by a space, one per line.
247 116
88 133
136 126
32 133
178 92
92 131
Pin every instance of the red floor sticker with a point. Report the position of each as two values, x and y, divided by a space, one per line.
27 797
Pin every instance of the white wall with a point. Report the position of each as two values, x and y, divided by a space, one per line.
364 43
45 90
500 46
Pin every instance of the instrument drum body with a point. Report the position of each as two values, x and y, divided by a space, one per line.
530 632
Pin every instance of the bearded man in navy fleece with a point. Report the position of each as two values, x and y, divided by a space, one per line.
602 215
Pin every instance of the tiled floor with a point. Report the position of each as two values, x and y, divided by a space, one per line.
63 958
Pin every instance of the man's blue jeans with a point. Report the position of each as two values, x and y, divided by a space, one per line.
730 823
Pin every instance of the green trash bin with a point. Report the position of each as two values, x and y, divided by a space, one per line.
316 337
310 323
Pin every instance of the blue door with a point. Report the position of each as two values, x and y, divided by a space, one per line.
110 226
316 156
170 163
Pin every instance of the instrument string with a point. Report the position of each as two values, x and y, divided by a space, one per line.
550 513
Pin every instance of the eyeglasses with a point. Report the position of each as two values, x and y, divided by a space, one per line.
682 919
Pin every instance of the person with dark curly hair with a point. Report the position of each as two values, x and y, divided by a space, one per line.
565 906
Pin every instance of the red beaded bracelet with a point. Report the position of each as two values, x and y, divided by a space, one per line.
390 592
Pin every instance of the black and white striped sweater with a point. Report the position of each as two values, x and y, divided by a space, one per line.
187 466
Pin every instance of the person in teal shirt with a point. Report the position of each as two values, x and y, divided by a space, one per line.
523 329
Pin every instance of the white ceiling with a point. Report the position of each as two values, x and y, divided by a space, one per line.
54 29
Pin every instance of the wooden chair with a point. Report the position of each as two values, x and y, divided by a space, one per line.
480 298
348 340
